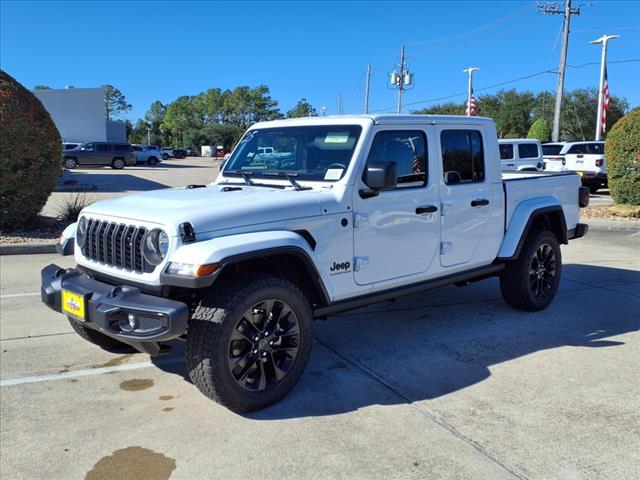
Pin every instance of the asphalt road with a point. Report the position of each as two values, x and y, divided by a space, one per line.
451 383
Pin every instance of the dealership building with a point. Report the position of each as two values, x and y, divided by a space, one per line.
80 115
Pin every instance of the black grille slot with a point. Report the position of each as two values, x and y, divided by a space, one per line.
114 244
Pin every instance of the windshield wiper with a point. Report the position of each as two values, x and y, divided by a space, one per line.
245 175
289 177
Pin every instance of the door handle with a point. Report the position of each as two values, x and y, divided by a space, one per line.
580 156
479 202
426 209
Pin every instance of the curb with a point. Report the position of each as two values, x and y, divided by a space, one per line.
27 248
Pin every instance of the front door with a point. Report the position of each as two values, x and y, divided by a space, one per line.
465 194
396 232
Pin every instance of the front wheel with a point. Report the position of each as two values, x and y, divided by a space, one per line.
70 163
249 342
165 156
152 161
531 281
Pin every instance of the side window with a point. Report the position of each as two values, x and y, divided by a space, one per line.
506 151
462 156
90 147
102 147
408 148
528 150
138 149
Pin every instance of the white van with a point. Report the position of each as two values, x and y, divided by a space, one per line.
521 154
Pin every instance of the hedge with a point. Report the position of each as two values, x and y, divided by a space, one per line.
540 130
30 154
622 152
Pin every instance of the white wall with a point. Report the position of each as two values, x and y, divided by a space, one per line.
79 113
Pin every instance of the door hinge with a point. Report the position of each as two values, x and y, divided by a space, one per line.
445 247
359 219
360 263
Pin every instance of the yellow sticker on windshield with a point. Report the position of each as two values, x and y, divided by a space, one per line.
336 137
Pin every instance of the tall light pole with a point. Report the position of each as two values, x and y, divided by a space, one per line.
554 9
470 71
323 110
366 90
148 135
604 40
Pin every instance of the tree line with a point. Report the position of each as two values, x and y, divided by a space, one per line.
219 117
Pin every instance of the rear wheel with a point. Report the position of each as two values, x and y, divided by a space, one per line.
248 342
70 163
92 336
165 156
152 160
531 281
118 164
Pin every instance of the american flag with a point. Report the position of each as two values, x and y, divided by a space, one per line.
605 100
472 109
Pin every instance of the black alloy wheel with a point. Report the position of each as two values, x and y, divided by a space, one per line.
542 271
263 345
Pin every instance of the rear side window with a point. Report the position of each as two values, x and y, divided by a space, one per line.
121 147
551 149
506 151
408 148
528 150
102 147
137 148
462 156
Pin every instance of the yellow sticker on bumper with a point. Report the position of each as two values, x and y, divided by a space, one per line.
73 304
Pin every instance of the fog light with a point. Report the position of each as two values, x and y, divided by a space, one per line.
133 323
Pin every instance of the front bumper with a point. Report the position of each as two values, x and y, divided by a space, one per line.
108 308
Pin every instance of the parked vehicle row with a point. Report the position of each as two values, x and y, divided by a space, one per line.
521 155
149 154
116 155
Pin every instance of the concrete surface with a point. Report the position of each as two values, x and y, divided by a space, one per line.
116 183
451 384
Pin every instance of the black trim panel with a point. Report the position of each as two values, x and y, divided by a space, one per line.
578 232
368 299
539 211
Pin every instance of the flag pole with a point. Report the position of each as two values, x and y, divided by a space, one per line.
470 71
603 67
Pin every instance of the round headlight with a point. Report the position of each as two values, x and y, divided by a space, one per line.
81 230
156 246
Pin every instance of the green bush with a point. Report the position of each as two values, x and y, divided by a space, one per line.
540 130
622 151
30 154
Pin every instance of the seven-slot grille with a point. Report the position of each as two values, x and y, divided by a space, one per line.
116 245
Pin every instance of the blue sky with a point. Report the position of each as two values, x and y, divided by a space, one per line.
161 50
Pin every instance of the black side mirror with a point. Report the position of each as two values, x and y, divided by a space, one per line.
379 176
451 178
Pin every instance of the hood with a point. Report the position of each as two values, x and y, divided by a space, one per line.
213 207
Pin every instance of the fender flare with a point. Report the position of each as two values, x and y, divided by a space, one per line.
522 222
232 249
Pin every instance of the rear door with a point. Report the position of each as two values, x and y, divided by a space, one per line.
464 192
396 233
103 154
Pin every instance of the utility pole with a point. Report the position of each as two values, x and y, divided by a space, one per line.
603 67
324 110
148 135
339 104
555 9
401 79
470 71
366 90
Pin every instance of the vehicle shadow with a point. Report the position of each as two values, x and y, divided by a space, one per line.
432 344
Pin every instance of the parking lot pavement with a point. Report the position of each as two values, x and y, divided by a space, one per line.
450 383
115 183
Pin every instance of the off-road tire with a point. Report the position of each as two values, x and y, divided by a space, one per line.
118 163
209 336
515 281
93 336
152 161
165 156
70 163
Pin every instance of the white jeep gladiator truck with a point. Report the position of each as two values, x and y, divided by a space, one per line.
343 212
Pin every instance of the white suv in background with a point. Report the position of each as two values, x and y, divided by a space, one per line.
585 158
521 155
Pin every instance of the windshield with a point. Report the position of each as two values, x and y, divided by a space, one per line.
551 149
318 153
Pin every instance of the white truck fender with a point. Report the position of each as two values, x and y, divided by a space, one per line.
67 240
521 220
228 248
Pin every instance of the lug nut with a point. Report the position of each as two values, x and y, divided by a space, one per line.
255 351
266 334
256 338
264 354
270 342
